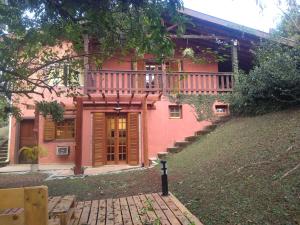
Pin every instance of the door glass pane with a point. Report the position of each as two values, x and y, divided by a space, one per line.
110 140
122 138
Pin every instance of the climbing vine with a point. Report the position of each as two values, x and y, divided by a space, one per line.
53 109
203 104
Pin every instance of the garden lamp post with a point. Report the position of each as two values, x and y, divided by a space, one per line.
164 178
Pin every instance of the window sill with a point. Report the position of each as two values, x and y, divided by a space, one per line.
175 118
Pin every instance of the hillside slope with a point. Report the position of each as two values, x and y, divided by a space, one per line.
238 174
245 172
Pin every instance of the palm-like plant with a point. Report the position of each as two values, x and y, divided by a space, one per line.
33 153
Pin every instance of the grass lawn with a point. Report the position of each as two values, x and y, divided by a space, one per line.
241 173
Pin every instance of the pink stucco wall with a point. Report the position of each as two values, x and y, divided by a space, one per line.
162 130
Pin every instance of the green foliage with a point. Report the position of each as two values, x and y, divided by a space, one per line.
51 108
29 31
6 109
274 83
203 104
33 153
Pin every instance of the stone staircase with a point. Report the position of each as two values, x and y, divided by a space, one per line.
180 145
3 152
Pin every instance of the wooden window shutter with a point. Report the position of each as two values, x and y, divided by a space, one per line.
133 138
98 139
49 130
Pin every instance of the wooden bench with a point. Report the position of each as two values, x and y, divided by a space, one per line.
62 207
24 206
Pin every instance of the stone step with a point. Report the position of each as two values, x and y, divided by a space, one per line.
181 143
162 155
191 138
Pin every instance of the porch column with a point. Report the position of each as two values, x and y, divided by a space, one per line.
145 132
86 60
234 60
78 137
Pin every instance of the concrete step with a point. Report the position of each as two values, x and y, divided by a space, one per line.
174 149
211 127
191 138
4 154
162 155
2 159
181 143
202 132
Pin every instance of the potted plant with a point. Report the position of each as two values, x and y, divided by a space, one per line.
33 154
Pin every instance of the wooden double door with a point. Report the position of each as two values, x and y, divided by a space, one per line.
115 138
26 138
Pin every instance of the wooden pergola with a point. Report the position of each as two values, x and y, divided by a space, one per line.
113 103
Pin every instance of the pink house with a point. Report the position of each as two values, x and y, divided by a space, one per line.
125 115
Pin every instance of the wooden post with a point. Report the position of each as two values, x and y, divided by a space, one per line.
145 132
234 60
36 125
86 60
164 79
78 138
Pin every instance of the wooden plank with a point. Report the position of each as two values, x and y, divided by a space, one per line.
178 213
85 213
64 204
12 198
94 213
102 212
134 211
141 211
148 207
160 214
169 214
187 213
117 212
54 221
109 212
125 212
36 205
52 202
78 212
64 209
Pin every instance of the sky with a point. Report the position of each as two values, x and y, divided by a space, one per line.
244 12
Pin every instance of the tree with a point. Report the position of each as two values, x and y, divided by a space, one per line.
274 82
29 29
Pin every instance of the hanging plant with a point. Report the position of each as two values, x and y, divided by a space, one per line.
53 109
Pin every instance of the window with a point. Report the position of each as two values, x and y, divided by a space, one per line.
65 129
175 111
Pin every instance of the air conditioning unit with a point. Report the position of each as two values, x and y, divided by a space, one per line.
62 150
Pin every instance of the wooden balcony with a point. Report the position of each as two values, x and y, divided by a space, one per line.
128 82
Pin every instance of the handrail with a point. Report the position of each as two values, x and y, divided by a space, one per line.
140 81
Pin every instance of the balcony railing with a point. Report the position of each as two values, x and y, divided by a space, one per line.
127 82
